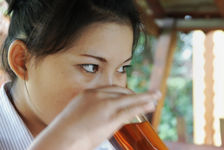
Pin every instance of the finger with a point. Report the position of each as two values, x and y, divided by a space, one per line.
135 99
108 95
128 113
115 89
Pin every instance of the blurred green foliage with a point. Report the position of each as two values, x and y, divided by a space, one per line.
139 73
3 7
178 102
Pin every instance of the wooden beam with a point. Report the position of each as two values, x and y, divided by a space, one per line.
181 129
162 64
220 5
209 91
193 14
157 8
222 130
192 24
149 23
198 86
148 20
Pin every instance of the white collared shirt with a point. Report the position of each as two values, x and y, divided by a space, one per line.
14 135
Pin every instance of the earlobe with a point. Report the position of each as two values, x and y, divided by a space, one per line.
17 59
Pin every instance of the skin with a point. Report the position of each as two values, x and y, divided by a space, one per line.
80 90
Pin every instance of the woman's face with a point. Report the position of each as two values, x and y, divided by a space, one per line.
98 57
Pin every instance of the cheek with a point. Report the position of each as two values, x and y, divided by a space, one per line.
120 80
48 100
50 91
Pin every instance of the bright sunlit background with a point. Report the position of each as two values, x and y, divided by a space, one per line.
185 86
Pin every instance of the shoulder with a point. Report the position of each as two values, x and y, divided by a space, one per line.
15 134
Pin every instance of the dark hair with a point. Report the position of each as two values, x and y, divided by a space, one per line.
48 26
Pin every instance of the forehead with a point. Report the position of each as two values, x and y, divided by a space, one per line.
104 40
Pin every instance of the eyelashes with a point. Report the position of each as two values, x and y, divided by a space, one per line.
94 68
124 69
90 68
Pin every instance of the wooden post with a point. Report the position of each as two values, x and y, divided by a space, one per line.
147 19
162 64
220 6
150 26
222 130
181 129
209 91
157 8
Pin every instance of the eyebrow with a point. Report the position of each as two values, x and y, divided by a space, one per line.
101 58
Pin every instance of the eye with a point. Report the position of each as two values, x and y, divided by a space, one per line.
123 69
91 68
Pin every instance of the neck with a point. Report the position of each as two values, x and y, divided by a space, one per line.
21 104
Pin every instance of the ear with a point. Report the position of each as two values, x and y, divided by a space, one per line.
17 56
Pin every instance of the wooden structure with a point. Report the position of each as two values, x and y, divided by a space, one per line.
222 130
209 82
163 18
187 15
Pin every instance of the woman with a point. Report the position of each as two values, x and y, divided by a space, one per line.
67 62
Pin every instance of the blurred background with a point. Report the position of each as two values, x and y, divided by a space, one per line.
181 53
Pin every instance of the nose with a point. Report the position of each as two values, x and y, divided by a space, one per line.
107 79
